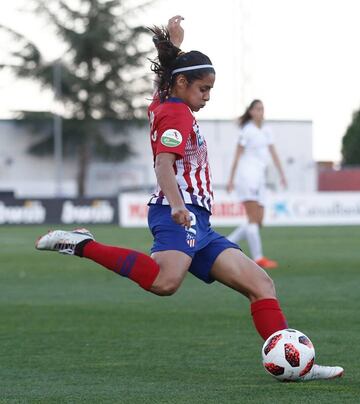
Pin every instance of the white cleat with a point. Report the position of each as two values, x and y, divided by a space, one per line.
63 241
318 372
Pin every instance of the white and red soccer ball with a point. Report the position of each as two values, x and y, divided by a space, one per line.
288 355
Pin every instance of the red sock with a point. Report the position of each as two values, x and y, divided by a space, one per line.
268 317
132 264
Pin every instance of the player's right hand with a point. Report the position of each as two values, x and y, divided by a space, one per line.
176 31
181 216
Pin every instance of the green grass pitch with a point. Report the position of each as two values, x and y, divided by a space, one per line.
72 332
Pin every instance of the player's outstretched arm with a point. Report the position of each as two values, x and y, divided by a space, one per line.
167 181
238 152
278 165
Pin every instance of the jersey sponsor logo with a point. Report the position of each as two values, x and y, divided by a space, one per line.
171 138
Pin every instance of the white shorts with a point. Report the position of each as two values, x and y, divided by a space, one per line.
251 187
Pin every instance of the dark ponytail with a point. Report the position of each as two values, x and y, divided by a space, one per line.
164 65
246 116
169 58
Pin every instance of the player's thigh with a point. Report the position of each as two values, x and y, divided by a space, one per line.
234 269
173 268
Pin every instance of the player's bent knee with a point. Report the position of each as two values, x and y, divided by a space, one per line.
270 286
166 288
265 289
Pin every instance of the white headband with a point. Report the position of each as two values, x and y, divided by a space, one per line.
184 69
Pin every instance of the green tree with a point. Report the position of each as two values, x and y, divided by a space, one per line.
351 142
101 78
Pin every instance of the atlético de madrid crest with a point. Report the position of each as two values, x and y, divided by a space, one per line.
190 239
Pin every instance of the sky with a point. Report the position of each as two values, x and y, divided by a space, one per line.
300 57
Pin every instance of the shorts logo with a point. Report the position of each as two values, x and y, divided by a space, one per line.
191 231
190 239
171 138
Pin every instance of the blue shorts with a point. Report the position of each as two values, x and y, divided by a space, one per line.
200 242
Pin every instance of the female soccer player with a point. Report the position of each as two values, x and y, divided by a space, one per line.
180 208
254 148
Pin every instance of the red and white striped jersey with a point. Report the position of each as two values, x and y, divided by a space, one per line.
173 129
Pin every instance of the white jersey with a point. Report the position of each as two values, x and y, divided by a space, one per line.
250 182
256 142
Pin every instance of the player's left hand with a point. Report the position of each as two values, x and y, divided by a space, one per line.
176 31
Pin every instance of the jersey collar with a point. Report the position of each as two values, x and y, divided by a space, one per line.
175 99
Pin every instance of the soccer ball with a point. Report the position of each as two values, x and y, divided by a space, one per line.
288 355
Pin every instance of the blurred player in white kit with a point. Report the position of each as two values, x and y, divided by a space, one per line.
255 148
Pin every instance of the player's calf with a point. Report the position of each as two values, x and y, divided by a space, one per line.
131 264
